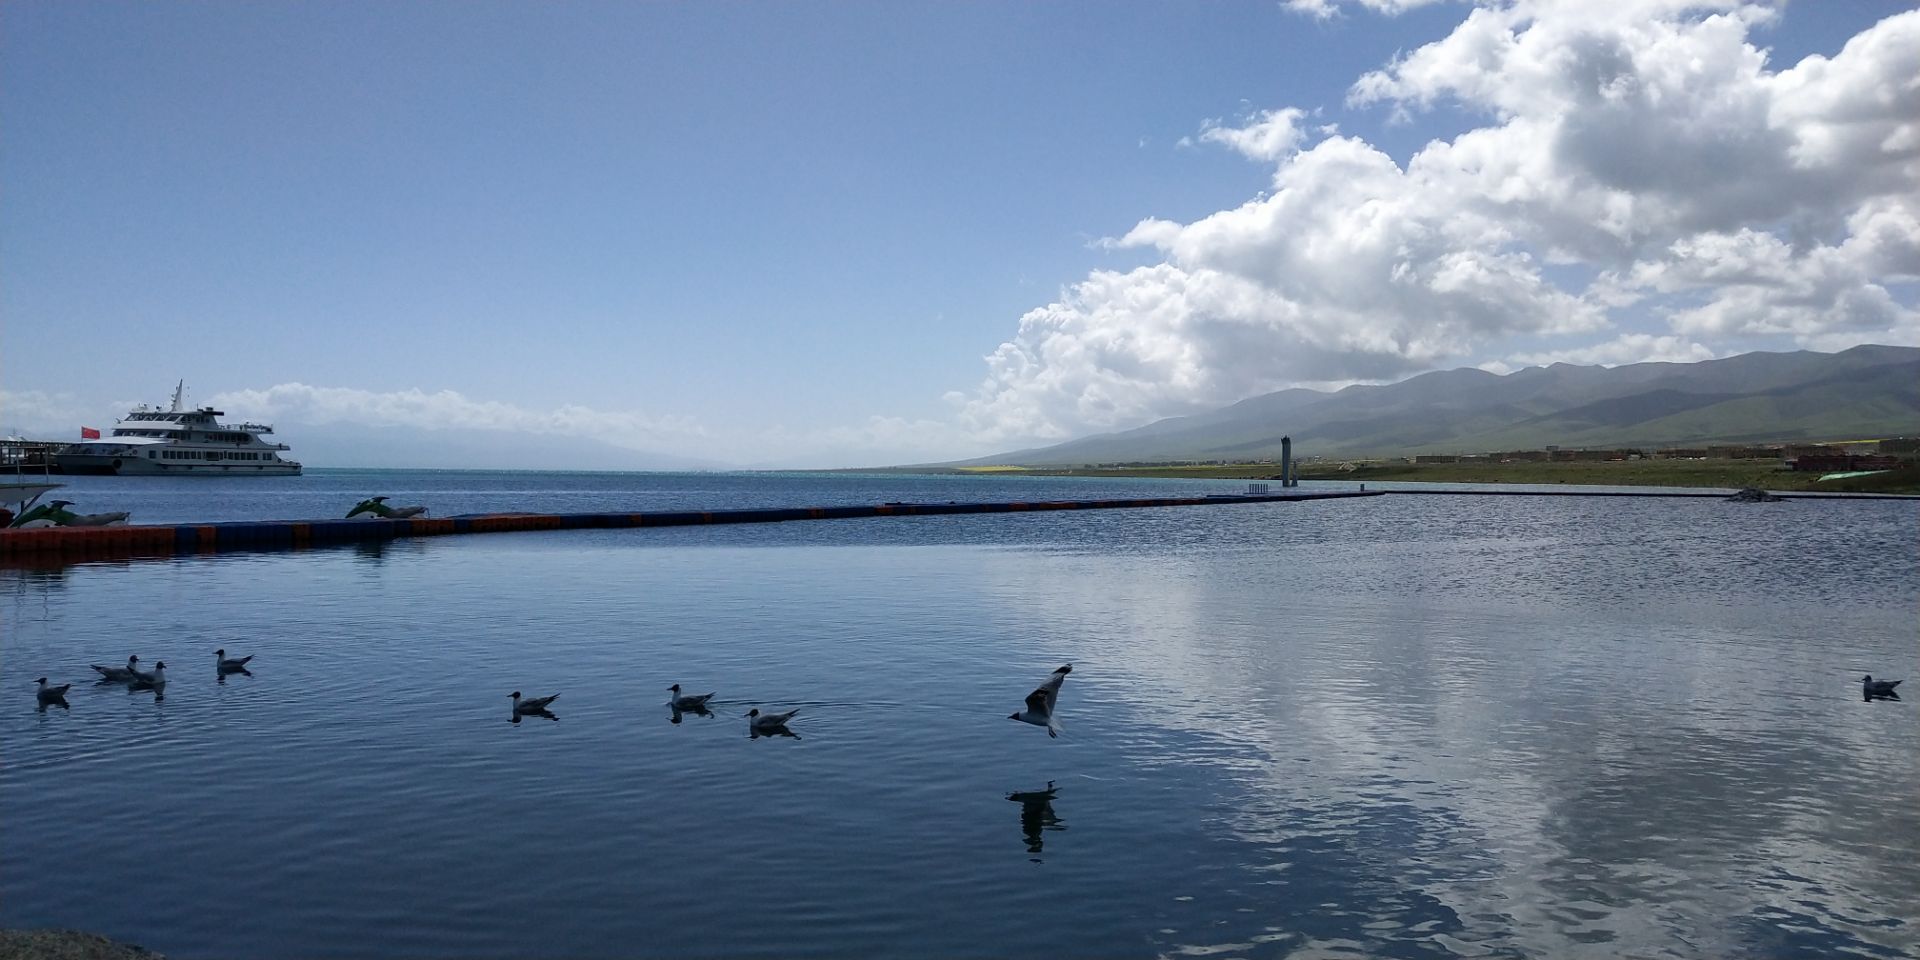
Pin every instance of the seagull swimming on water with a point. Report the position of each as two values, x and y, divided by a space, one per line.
1041 701
1870 688
49 695
157 680
531 705
765 722
231 664
118 674
688 702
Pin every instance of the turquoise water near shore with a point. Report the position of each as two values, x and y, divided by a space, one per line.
1392 727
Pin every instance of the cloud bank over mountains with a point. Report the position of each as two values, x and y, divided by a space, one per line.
1635 182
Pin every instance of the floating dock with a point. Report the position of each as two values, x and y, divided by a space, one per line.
58 546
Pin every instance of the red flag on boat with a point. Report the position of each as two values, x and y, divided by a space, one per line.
89 433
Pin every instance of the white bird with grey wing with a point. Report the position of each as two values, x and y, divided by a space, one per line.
768 721
157 680
1870 687
48 695
691 701
118 674
1041 703
531 705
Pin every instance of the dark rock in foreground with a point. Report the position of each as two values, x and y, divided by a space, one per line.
1754 495
67 945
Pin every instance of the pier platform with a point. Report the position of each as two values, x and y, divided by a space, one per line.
58 546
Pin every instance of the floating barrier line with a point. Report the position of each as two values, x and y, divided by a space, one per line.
58 546
1692 494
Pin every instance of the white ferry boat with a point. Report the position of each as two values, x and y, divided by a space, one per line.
176 442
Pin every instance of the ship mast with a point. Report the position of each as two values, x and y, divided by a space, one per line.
177 389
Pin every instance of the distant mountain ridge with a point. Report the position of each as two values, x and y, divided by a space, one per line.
1866 391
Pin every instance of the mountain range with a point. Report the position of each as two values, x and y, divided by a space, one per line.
1865 392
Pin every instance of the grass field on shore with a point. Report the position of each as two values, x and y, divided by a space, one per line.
1765 474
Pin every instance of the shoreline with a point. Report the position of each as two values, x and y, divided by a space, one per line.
54 944
1712 474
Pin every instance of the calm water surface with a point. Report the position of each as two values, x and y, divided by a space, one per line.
1401 726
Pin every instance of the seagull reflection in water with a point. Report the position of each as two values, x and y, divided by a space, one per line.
700 711
221 673
542 712
1036 815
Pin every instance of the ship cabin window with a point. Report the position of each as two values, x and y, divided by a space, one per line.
149 454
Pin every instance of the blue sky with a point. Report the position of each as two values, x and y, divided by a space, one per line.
787 234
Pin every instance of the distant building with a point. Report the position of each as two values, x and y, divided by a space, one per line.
1743 453
1812 450
1841 463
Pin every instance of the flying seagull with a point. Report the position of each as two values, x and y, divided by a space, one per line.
531 704
1041 701
688 702
231 664
1869 687
49 695
118 674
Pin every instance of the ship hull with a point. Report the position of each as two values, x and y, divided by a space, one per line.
81 463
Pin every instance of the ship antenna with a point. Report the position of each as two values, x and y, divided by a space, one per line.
177 389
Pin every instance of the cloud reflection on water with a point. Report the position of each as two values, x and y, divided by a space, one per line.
1601 777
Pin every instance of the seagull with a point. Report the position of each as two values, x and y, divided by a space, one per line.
1869 687
52 694
763 722
151 681
531 705
118 674
233 664
1041 701
688 702
371 505
1035 796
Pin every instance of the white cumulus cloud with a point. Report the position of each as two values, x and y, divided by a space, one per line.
1622 166
451 410
1269 136
1328 9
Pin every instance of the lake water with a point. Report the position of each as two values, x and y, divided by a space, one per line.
1397 726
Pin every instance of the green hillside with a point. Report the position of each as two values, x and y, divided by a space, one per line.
1867 391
